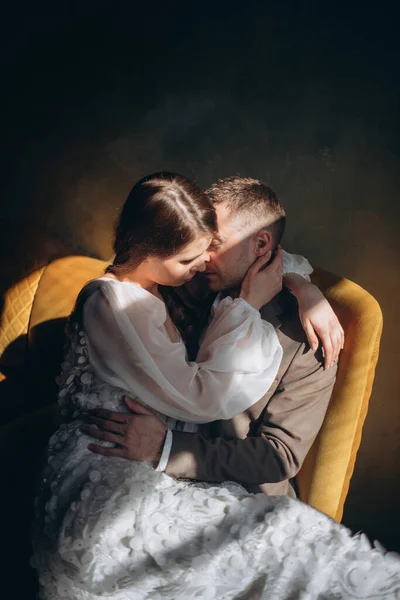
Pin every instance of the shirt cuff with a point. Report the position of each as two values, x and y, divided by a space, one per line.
162 465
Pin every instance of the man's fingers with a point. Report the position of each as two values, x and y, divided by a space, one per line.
98 434
110 415
137 408
103 424
104 451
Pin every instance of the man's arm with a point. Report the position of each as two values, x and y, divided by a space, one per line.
276 449
273 451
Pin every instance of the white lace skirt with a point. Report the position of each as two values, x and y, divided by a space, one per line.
108 528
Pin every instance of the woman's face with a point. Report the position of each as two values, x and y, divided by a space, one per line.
182 266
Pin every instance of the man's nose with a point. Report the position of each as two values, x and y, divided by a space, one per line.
211 258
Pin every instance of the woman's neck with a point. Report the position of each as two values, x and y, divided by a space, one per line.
138 276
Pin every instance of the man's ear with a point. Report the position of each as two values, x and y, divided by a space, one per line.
263 242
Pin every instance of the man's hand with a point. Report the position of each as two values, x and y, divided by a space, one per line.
138 435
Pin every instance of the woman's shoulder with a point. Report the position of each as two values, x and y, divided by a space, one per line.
124 295
112 286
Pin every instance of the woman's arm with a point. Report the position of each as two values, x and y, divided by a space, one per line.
316 314
317 317
129 349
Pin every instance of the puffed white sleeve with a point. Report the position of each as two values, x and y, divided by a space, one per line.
129 348
295 263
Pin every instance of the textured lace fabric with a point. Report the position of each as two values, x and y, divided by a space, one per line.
109 528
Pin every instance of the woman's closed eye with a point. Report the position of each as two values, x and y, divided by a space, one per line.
187 261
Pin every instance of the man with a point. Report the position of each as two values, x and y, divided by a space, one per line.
264 447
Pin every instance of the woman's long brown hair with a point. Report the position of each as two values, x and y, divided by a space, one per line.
162 214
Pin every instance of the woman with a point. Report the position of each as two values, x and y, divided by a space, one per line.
111 528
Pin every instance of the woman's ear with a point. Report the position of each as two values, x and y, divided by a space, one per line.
263 242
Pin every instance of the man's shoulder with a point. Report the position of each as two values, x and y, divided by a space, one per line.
283 313
298 358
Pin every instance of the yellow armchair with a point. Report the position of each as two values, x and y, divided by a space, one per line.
33 321
324 478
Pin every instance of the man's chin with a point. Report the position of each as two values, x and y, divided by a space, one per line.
216 284
213 282
214 287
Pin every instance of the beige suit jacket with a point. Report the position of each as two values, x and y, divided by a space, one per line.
264 447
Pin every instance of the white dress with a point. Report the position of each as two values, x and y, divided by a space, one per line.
109 528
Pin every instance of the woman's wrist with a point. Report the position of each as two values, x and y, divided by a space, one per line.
251 305
250 301
297 284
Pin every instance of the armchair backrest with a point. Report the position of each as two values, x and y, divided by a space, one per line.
324 478
31 347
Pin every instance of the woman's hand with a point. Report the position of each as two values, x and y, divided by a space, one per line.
317 318
262 283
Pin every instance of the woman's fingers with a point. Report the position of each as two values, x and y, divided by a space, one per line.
337 339
262 281
343 338
328 351
331 343
339 342
278 260
260 262
311 336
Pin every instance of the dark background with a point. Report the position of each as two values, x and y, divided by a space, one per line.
304 95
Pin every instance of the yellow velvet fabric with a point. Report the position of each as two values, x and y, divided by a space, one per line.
36 308
325 476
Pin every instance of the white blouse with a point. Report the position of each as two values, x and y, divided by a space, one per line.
129 348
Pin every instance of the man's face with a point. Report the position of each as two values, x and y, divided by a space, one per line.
229 261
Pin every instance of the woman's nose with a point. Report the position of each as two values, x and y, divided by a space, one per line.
201 267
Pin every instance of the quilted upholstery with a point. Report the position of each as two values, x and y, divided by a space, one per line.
15 318
59 286
37 307
325 476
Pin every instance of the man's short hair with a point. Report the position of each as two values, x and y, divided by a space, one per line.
253 200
